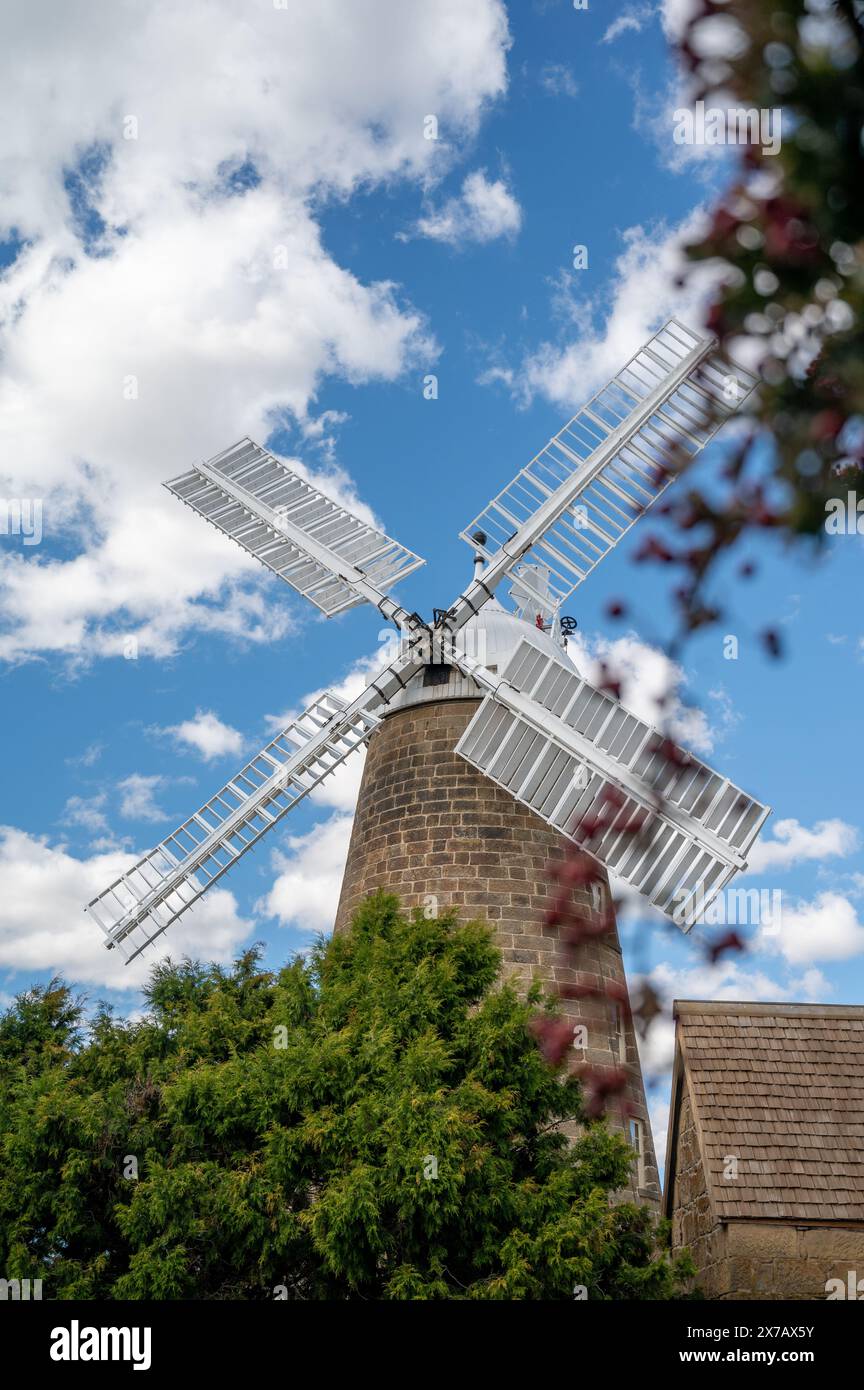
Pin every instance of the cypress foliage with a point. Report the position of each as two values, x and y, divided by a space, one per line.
373 1121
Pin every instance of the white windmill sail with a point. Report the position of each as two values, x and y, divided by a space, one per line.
151 895
552 740
558 745
318 547
580 495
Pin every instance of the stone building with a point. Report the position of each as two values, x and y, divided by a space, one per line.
765 1154
439 834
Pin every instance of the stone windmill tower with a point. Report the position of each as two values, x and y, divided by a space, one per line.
437 832
486 746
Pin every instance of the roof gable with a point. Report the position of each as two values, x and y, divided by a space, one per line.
781 1088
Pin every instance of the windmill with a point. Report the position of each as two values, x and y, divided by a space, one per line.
481 707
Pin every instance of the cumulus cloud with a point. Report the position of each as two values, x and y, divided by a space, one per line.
181 296
603 332
305 893
206 364
791 843
484 210
207 735
138 797
43 926
86 811
827 928
308 93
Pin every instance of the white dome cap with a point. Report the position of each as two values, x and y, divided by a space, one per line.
490 637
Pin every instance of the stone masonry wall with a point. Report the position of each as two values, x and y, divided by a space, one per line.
428 824
693 1223
773 1259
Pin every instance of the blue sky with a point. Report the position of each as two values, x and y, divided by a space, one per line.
275 249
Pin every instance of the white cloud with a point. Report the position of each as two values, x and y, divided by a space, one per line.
86 811
791 843
219 341
116 592
92 753
43 926
852 882
726 717
207 735
813 985
646 675
610 328
208 310
825 929
305 894
558 80
655 112
137 797
311 94
483 211
657 1048
633 19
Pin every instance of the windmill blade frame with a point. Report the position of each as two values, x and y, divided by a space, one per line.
600 473
149 896
566 749
611 462
318 547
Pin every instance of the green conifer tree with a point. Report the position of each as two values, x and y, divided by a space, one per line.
374 1121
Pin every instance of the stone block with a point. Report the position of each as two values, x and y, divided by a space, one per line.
831 1243
762 1240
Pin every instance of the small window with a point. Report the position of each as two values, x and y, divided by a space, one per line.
596 895
637 1143
437 675
620 1041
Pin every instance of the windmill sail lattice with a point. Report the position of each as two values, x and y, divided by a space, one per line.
323 551
151 895
554 742
580 495
564 745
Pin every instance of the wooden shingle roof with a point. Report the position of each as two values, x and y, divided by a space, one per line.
781 1088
